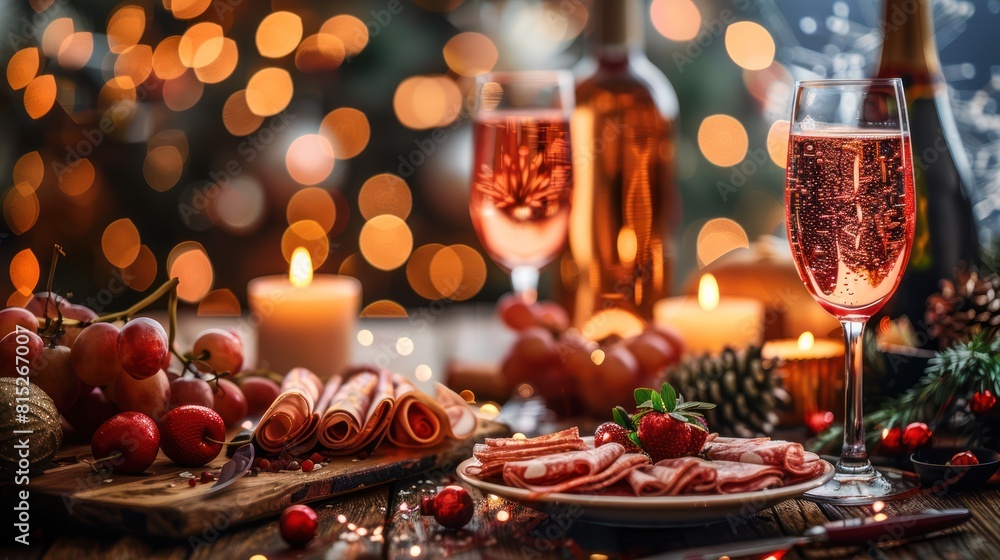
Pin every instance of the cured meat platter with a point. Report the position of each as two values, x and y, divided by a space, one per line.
161 502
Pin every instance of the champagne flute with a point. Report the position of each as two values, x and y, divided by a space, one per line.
850 216
522 172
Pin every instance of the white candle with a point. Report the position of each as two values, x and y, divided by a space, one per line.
304 320
711 323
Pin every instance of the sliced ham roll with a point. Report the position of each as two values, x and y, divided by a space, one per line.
671 477
421 421
582 471
291 420
733 478
497 452
359 412
794 461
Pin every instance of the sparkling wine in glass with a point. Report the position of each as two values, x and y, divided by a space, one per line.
522 173
850 216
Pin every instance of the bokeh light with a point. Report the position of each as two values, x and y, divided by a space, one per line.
352 32
313 204
458 272
722 140
677 20
470 54
220 303
23 67
187 9
347 130
386 241
311 236
57 31
169 137
200 44
142 272
20 209
310 159
167 63
423 102
749 45
385 308
278 34
321 52
269 91
418 271
77 179
134 65
718 237
777 143
120 242
240 206
29 170
423 372
40 95
182 92
404 345
163 167
24 272
223 65
189 263
385 194
237 117
612 323
125 27
76 50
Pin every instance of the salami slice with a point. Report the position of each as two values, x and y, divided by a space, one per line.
291 420
421 421
794 462
734 478
671 477
496 452
359 413
550 470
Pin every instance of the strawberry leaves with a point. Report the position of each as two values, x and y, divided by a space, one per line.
667 401
622 418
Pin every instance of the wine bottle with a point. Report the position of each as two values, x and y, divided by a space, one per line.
945 233
625 206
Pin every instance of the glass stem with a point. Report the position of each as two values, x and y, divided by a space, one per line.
525 281
854 456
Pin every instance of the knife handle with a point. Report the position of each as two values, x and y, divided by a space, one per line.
853 532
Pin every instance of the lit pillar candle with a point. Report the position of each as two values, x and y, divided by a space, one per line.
304 320
813 374
711 323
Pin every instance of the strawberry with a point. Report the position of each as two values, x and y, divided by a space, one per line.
666 426
128 441
192 435
610 432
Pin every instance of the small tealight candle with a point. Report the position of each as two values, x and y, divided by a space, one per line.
304 320
813 372
712 322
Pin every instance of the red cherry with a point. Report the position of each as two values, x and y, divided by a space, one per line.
187 433
916 434
982 403
452 506
307 465
963 459
131 438
892 440
298 525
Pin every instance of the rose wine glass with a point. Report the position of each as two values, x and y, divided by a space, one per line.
522 172
850 216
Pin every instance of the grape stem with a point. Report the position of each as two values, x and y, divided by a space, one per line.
44 322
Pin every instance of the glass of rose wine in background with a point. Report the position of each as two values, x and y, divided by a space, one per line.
850 216
522 173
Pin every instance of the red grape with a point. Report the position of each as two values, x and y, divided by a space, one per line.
142 347
90 411
612 383
551 315
40 303
652 351
11 317
223 348
191 390
260 393
95 355
26 345
515 313
230 402
52 372
150 396
79 313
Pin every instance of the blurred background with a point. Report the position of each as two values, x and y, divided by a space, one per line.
208 139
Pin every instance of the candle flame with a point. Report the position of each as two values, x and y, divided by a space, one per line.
708 292
300 271
806 340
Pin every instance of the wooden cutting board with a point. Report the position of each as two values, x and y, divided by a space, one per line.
161 503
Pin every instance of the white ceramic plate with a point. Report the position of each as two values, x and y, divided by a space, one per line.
653 511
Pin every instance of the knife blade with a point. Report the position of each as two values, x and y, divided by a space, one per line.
847 532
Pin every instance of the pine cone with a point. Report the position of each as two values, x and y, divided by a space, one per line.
966 306
746 391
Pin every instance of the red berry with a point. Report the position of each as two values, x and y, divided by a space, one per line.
916 434
965 458
187 433
207 477
307 465
610 432
192 482
298 525
264 464
819 421
293 465
131 441
892 440
275 467
452 506
664 437
982 403
316 458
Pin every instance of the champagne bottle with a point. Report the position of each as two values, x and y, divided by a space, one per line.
945 232
625 203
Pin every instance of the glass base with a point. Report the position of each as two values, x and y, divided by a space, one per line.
884 484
